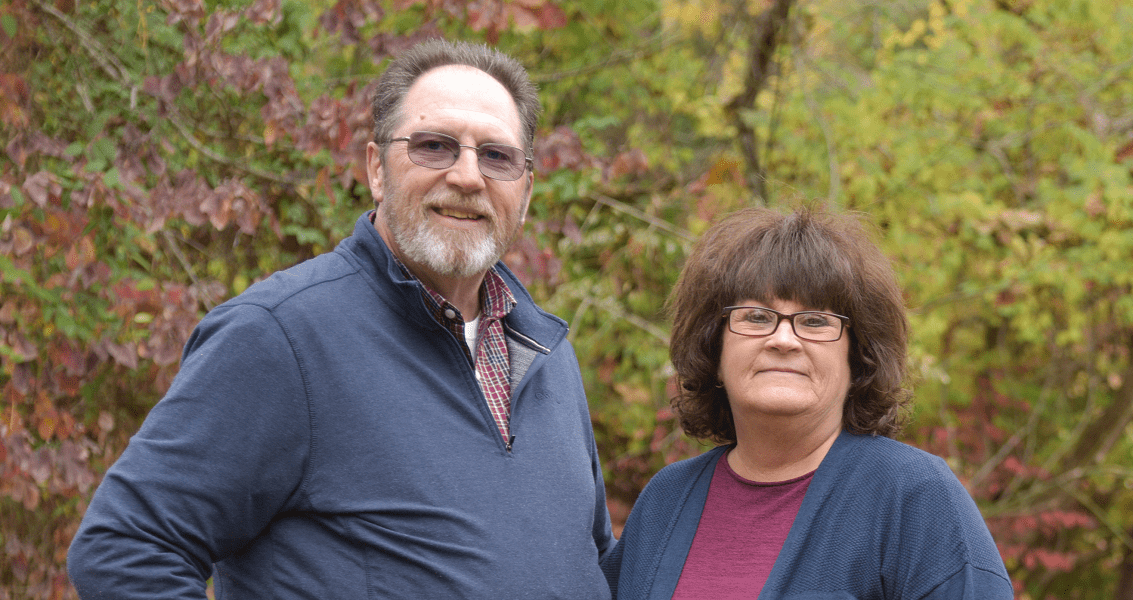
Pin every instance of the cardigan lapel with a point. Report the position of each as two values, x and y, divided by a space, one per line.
821 486
672 560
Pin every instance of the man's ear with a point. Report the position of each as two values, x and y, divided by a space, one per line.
374 171
527 193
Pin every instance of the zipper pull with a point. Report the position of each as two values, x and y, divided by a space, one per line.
510 441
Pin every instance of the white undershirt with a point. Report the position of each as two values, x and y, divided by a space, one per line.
471 329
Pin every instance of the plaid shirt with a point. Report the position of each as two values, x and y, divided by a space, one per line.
493 368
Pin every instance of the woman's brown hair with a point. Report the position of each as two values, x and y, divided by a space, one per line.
811 256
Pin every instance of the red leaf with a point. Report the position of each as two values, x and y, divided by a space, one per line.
561 149
523 19
13 97
263 12
124 354
628 163
23 348
42 188
46 427
21 378
17 150
81 254
188 10
23 241
551 16
1124 152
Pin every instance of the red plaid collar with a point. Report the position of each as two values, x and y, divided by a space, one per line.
496 301
491 364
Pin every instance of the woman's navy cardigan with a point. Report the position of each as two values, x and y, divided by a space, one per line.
880 520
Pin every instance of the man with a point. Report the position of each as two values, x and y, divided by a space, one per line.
394 419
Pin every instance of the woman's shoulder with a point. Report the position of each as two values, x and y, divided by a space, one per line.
914 495
695 463
881 463
874 451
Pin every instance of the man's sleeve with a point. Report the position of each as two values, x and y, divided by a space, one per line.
223 452
603 532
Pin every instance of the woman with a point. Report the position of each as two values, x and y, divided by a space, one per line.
789 341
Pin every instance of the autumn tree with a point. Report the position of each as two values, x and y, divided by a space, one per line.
160 157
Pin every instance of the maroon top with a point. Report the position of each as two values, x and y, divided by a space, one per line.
741 531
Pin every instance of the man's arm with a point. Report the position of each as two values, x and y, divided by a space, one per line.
603 534
221 454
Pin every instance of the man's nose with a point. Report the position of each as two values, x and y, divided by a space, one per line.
465 172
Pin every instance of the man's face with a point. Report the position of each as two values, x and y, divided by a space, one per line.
452 222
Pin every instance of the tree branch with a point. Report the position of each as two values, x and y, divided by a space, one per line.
763 40
122 76
646 218
1102 434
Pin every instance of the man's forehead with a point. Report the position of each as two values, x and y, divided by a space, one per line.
459 76
459 93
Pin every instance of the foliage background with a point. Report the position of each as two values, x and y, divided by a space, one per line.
158 157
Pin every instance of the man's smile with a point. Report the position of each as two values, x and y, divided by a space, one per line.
457 214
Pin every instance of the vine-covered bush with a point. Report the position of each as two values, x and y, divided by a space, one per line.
158 158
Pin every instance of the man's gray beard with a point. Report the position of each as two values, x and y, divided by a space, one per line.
445 252
450 254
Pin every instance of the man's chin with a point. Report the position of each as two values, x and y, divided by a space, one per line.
457 268
448 261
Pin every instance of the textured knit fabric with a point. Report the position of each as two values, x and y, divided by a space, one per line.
741 531
491 358
326 439
880 520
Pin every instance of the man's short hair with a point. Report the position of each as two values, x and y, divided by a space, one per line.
431 54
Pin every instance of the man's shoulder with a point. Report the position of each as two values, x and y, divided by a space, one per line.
313 276
324 274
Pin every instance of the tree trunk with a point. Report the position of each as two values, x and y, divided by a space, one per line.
1125 575
766 32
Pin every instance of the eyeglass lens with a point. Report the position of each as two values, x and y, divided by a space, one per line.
814 326
439 151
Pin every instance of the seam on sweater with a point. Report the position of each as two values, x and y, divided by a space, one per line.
963 565
312 442
270 308
991 572
278 301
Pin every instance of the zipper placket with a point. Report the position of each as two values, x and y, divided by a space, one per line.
532 344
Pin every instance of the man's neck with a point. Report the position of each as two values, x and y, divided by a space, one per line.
461 292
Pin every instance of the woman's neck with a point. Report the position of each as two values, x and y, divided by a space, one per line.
782 452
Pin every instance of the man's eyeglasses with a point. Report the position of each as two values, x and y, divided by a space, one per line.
814 326
439 151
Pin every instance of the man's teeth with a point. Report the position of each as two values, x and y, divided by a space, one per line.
456 214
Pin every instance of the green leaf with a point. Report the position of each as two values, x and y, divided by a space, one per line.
8 22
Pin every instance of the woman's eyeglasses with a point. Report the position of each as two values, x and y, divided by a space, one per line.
440 151
814 326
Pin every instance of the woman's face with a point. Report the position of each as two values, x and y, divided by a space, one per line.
781 376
